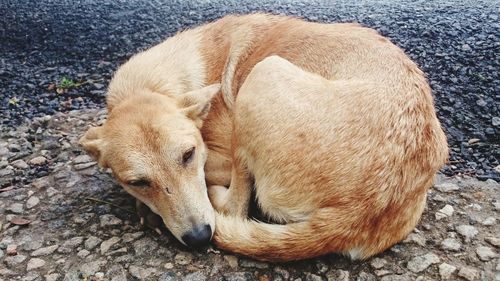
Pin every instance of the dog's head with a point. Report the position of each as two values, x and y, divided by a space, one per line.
153 145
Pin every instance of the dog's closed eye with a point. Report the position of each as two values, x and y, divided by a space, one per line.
188 156
139 183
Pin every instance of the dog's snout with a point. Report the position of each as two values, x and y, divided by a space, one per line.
198 237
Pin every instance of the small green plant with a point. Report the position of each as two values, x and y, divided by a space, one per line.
65 85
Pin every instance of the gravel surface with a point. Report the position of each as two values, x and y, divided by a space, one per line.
62 219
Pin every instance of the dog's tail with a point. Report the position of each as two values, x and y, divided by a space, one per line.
320 234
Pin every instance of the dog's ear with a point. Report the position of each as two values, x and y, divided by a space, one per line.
196 104
93 143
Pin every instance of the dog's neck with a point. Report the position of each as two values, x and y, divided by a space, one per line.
171 68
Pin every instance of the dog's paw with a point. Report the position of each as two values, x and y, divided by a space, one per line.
218 196
148 218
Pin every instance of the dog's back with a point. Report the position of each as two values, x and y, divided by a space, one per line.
346 162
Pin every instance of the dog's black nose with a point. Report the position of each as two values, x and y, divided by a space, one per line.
198 237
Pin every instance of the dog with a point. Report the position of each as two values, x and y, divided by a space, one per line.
331 125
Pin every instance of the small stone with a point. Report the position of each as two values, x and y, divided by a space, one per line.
51 191
446 211
495 121
16 208
83 218
446 270
253 263
231 260
106 245
20 164
32 202
195 276
90 268
282 272
183 258
415 238
44 251
168 265
467 231
11 250
12 261
167 276
363 276
378 263
37 161
466 47
489 221
421 263
447 187
140 273
395 277
382 272
493 241
73 242
313 277
129 237
92 242
468 273
451 244
35 263
145 246
473 141
116 273
83 253
109 220
82 159
485 253
238 276
51 277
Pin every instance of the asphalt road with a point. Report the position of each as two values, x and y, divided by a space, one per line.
46 44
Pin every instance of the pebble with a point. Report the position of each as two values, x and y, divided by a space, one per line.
451 244
106 245
415 238
195 276
37 161
485 253
446 270
51 191
141 273
337 275
90 268
52 277
44 251
20 164
395 277
83 253
421 263
231 260
493 241
11 250
468 273
109 220
378 263
445 212
144 246
32 202
116 273
495 121
489 221
253 263
92 242
363 276
12 261
468 232
447 187
16 208
129 237
73 242
183 258
35 263
313 277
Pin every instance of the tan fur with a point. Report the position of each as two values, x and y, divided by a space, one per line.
338 135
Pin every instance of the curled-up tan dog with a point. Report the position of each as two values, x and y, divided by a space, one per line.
331 125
